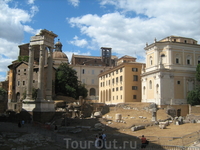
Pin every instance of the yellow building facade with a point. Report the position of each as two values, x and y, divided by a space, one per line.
121 83
170 70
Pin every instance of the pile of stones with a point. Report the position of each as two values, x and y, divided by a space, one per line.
163 125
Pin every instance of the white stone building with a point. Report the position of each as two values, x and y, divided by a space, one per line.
170 70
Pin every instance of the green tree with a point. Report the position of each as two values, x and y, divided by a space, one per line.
82 91
67 82
193 97
23 58
198 73
34 93
3 93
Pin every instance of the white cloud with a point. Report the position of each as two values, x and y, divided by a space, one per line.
34 10
9 49
8 53
79 43
11 19
31 1
12 29
75 3
77 52
128 35
31 30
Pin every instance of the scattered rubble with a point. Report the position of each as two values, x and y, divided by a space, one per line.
135 128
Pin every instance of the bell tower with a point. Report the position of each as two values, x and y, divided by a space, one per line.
106 55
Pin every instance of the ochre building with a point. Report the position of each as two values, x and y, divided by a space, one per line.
121 83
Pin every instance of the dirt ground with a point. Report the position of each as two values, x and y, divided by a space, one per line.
132 115
131 118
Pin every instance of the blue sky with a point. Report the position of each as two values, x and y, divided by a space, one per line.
83 26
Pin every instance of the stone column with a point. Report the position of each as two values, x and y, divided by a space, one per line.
30 74
49 75
41 75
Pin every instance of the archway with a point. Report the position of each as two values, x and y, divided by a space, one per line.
92 92
17 97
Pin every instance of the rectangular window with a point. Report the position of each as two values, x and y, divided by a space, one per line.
120 78
109 82
18 83
117 97
23 82
18 70
116 71
121 88
134 96
134 87
24 69
33 81
117 80
116 88
83 71
135 69
92 81
113 81
178 82
101 84
121 69
198 61
177 60
135 78
188 62
113 89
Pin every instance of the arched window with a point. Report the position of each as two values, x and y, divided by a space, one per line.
109 94
92 92
151 60
17 97
150 84
163 55
188 61
177 59
163 58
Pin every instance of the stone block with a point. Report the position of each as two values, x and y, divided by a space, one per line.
177 123
97 114
135 128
